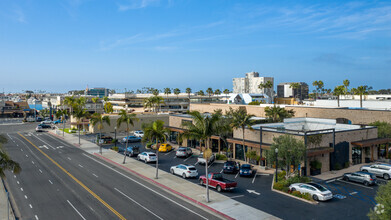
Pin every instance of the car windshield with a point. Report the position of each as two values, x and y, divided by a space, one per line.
319 187
200 156
246 166
229 163
181 149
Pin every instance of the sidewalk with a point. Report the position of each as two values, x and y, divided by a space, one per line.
220 204
4 205
338 173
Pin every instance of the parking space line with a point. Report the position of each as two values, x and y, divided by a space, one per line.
25 196
188 158
232 197
237 174
76 210
354 184
255 175
221 170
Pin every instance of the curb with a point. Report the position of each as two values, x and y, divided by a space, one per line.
295 197
166 187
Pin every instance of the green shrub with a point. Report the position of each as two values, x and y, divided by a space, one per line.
115 149
285 189
347 164
284 182
281 175
221 157
296 193
278 186
315 164
148 145
337 166
306 196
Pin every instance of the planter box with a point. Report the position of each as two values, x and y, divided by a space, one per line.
314 172
255 162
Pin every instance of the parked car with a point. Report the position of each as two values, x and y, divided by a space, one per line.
45 126
165 148
317 191
38 129
184 170
217 181
139 134
202 160
48 122
147 157
381 170
57 121
38 119
246 170
361 177
131 139
106 139
132 151
183 152
231 167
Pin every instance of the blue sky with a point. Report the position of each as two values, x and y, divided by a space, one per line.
66 45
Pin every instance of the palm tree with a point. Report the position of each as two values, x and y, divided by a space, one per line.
95 100
188 91
295 86
6 163
362 90
108 107
156 132
155 92
156 101
277 114
148 103
209 91
167 91
128 119
217 92
267 85
79 113
241 120
81 101
62 114
346 84
223 126
318 86
99 119
201 93
339 90
176 92
226 91
70 101
201 128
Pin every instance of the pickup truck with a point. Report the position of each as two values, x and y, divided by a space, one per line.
217 181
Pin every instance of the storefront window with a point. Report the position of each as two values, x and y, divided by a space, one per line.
356 155
239 153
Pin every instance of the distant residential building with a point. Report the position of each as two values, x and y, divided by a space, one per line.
250 84
284 90
100 92
246 98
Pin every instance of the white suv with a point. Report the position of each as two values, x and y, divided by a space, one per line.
147 157
381 170
184 170
139 134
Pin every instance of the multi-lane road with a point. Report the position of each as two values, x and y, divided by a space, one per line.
60 181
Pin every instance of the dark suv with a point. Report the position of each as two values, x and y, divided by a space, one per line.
231 167
132 151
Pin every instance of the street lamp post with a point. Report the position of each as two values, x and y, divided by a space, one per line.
276 150
115 136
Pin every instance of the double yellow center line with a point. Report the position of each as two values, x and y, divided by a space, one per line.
76 180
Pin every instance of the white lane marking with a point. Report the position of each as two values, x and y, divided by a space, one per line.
30 206
150 189
32 162
330 181
352 193
139 204
40 170
232 197
237 174
253 191
354 184
221 170
21 149
210 165
95 175
36 217
27 155
255 175
25 196
17 145
196 163
187 158
80 165
21 189
14 176
76 210
263 174
69 158
17 182
50 182
45 143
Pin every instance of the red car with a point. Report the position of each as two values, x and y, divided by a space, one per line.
217 181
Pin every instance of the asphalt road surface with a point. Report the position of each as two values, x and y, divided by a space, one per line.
60 181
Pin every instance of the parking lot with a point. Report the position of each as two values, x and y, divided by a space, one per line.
351 200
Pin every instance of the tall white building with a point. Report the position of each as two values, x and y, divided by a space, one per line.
250 84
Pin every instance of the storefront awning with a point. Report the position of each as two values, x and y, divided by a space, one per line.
248 143
371 142
319 151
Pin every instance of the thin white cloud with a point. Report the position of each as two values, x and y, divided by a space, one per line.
138 4
19 15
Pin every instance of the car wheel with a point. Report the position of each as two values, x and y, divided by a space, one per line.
366 183
172 171
218 188
201 182
315 197
145 160
138 158
365 170
293 189
345 178
386 176
184 175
